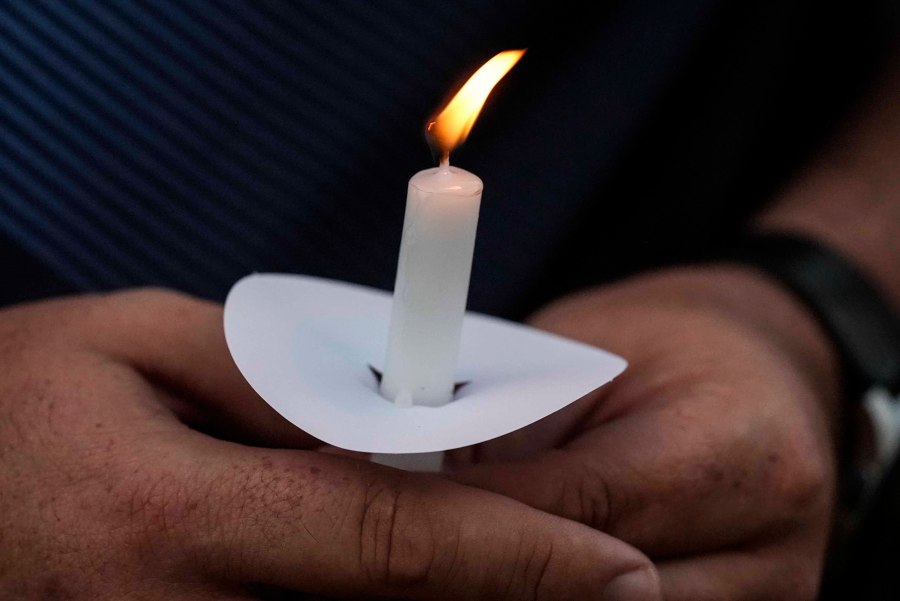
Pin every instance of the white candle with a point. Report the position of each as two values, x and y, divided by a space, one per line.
432 285
436 255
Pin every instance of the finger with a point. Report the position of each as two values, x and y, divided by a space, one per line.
646 479
180 341
550 432
759 574
331 525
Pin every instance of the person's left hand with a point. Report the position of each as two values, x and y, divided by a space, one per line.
110 490
712 453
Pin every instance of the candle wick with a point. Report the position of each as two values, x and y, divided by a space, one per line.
445 163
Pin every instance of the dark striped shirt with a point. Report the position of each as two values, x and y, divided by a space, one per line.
187 143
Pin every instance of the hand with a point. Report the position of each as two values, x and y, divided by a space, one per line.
712 453
107 493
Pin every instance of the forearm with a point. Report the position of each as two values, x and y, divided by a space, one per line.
849 198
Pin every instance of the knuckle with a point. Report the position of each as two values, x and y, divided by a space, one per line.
800 581
805 484
396 549
805 587
528 569
586 497
534 566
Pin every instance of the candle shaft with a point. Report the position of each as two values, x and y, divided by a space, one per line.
431 287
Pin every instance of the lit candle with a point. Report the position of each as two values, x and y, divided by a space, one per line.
436 255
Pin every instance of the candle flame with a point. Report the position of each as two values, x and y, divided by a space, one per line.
452 124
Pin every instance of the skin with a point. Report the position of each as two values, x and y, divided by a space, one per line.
109 494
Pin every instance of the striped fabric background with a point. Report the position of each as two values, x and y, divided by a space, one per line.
188 142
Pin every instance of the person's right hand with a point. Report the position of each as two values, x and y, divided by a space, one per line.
107 493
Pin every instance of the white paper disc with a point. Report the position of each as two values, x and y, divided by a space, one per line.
305 345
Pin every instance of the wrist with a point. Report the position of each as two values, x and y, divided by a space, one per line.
829 210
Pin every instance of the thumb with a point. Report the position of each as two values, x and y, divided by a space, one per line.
325 524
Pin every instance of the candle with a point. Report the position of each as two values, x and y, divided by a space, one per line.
432 285
436 255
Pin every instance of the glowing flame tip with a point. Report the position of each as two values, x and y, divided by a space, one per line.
449 128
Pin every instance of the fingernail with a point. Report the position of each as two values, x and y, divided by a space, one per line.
638 585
